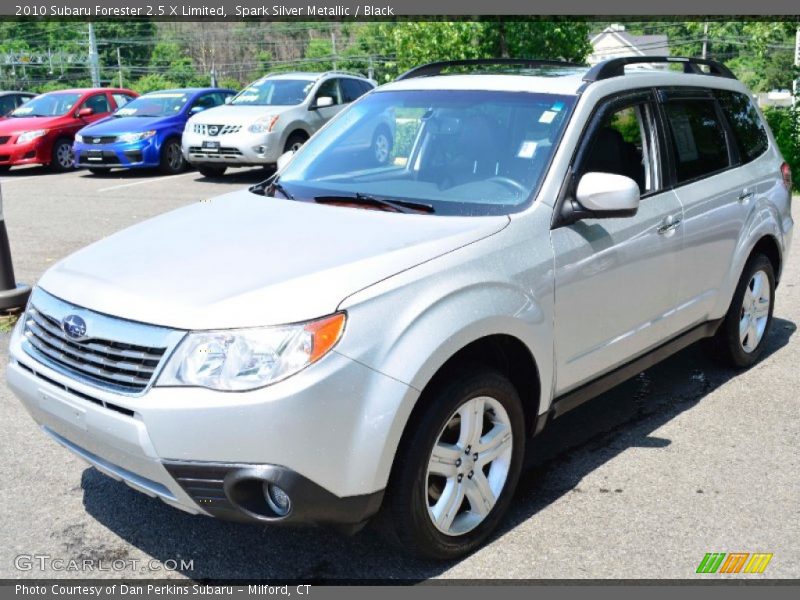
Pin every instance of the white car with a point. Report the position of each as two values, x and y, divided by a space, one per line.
354 336
271 116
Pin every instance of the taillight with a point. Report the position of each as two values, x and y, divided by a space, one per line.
786 171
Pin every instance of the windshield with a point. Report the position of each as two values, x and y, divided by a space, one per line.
458 152
156 104
274 92
47 105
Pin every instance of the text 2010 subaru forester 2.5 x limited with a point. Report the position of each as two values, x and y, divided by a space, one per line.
355 336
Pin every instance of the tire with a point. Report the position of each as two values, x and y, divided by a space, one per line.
171 161
100 172
212 171
294 141
382 144
5 168
415 497
62 158
751 312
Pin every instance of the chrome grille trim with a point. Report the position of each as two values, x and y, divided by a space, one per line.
117 355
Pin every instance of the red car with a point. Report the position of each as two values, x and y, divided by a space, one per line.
41 131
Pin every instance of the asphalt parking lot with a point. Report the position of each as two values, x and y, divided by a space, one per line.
685 459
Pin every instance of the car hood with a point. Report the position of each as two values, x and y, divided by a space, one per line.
243 260
237 115
118 125
20 124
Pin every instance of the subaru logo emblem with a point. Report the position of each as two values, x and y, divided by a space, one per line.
96 140
74 326
213 130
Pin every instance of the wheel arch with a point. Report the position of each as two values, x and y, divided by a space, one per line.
768 246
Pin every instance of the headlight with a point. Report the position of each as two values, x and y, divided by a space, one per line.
127 138
264 124
245 359
29 136
79 138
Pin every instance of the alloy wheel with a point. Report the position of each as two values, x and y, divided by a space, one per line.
381 148
64 156
469 465
755 311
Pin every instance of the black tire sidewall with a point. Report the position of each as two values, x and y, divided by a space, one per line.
728 337
407 491
164 165
212 171
294 139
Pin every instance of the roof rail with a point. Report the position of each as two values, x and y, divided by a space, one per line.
615 67
343 72
436 68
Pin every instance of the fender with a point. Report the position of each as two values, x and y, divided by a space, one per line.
764 220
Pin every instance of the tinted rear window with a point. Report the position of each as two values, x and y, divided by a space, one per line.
698 138
748 130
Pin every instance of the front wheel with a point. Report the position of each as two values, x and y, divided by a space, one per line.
382 144
457 467
172 161
62 158
211 171
740 339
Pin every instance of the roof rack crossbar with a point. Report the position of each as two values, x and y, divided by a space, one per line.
615 67
436 68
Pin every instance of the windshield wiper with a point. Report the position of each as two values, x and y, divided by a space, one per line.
261 189
402 206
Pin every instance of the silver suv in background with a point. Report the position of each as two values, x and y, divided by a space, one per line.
355 336
271 116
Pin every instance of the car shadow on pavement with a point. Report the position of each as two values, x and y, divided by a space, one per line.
569 449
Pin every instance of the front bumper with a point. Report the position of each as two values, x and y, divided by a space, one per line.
116 155
320 435
238 149
32 153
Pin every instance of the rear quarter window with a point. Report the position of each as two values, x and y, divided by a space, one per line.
748 130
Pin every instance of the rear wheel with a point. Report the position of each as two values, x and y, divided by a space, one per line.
171 161
212 171
456 470
740 340
62 158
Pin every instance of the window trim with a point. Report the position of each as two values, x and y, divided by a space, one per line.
665 95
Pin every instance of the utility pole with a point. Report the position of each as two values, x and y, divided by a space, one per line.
119 66
796 82
371 69
705 40
333 48
94 66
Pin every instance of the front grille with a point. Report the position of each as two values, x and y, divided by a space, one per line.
100 139
98 157
222 151
4 139
107 363
208 129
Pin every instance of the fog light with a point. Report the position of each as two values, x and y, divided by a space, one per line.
277 499
260 149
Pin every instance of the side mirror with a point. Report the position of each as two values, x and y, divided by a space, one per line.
196 109
284 158
85 112
322 102
607 195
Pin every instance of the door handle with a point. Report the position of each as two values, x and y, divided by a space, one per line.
744 196
668 224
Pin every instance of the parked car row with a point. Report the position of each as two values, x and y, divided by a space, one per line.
114 128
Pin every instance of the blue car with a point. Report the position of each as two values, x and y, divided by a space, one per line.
145 132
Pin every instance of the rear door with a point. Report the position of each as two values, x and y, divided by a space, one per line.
715 193
617 278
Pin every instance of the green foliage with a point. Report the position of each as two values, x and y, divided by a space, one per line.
152 83
785 125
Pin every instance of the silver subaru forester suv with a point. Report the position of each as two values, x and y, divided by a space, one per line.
356 337
271 116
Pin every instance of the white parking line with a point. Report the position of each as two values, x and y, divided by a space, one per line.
151 180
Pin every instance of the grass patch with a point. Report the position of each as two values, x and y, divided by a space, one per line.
7 322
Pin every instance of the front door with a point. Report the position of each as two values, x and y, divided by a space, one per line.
617 278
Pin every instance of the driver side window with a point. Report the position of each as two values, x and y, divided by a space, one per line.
98 103
624 143
330 88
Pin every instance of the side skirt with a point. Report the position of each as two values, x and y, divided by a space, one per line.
587 391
